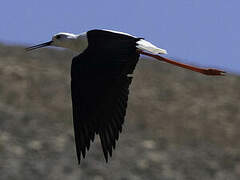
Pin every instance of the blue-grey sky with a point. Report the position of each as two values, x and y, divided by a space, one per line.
202 32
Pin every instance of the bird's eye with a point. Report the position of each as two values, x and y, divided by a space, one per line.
58 36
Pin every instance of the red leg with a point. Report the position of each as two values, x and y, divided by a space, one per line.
212 72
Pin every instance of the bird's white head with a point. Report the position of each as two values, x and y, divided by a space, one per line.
65 40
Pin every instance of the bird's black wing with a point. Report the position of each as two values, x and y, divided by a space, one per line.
100 88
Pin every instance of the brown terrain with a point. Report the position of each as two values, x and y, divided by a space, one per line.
180 125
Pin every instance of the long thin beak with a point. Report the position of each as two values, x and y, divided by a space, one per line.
39 46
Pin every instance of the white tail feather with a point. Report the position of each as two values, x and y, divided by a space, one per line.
147 46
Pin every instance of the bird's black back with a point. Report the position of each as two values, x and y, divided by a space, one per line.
100 88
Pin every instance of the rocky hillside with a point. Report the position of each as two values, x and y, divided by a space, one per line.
180 125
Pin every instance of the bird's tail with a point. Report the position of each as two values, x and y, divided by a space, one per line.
147 46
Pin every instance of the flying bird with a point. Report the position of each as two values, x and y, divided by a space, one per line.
100 80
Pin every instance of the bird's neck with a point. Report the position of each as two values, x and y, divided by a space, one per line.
81 42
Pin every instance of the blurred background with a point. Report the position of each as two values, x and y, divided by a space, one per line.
179 124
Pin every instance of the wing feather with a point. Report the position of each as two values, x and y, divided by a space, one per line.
100 88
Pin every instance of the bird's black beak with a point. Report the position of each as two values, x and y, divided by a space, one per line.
39 46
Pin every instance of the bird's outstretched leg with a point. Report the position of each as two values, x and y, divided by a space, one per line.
211 72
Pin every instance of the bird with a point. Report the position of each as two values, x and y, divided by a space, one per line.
101 75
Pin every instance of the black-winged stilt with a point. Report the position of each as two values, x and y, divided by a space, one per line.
100 82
